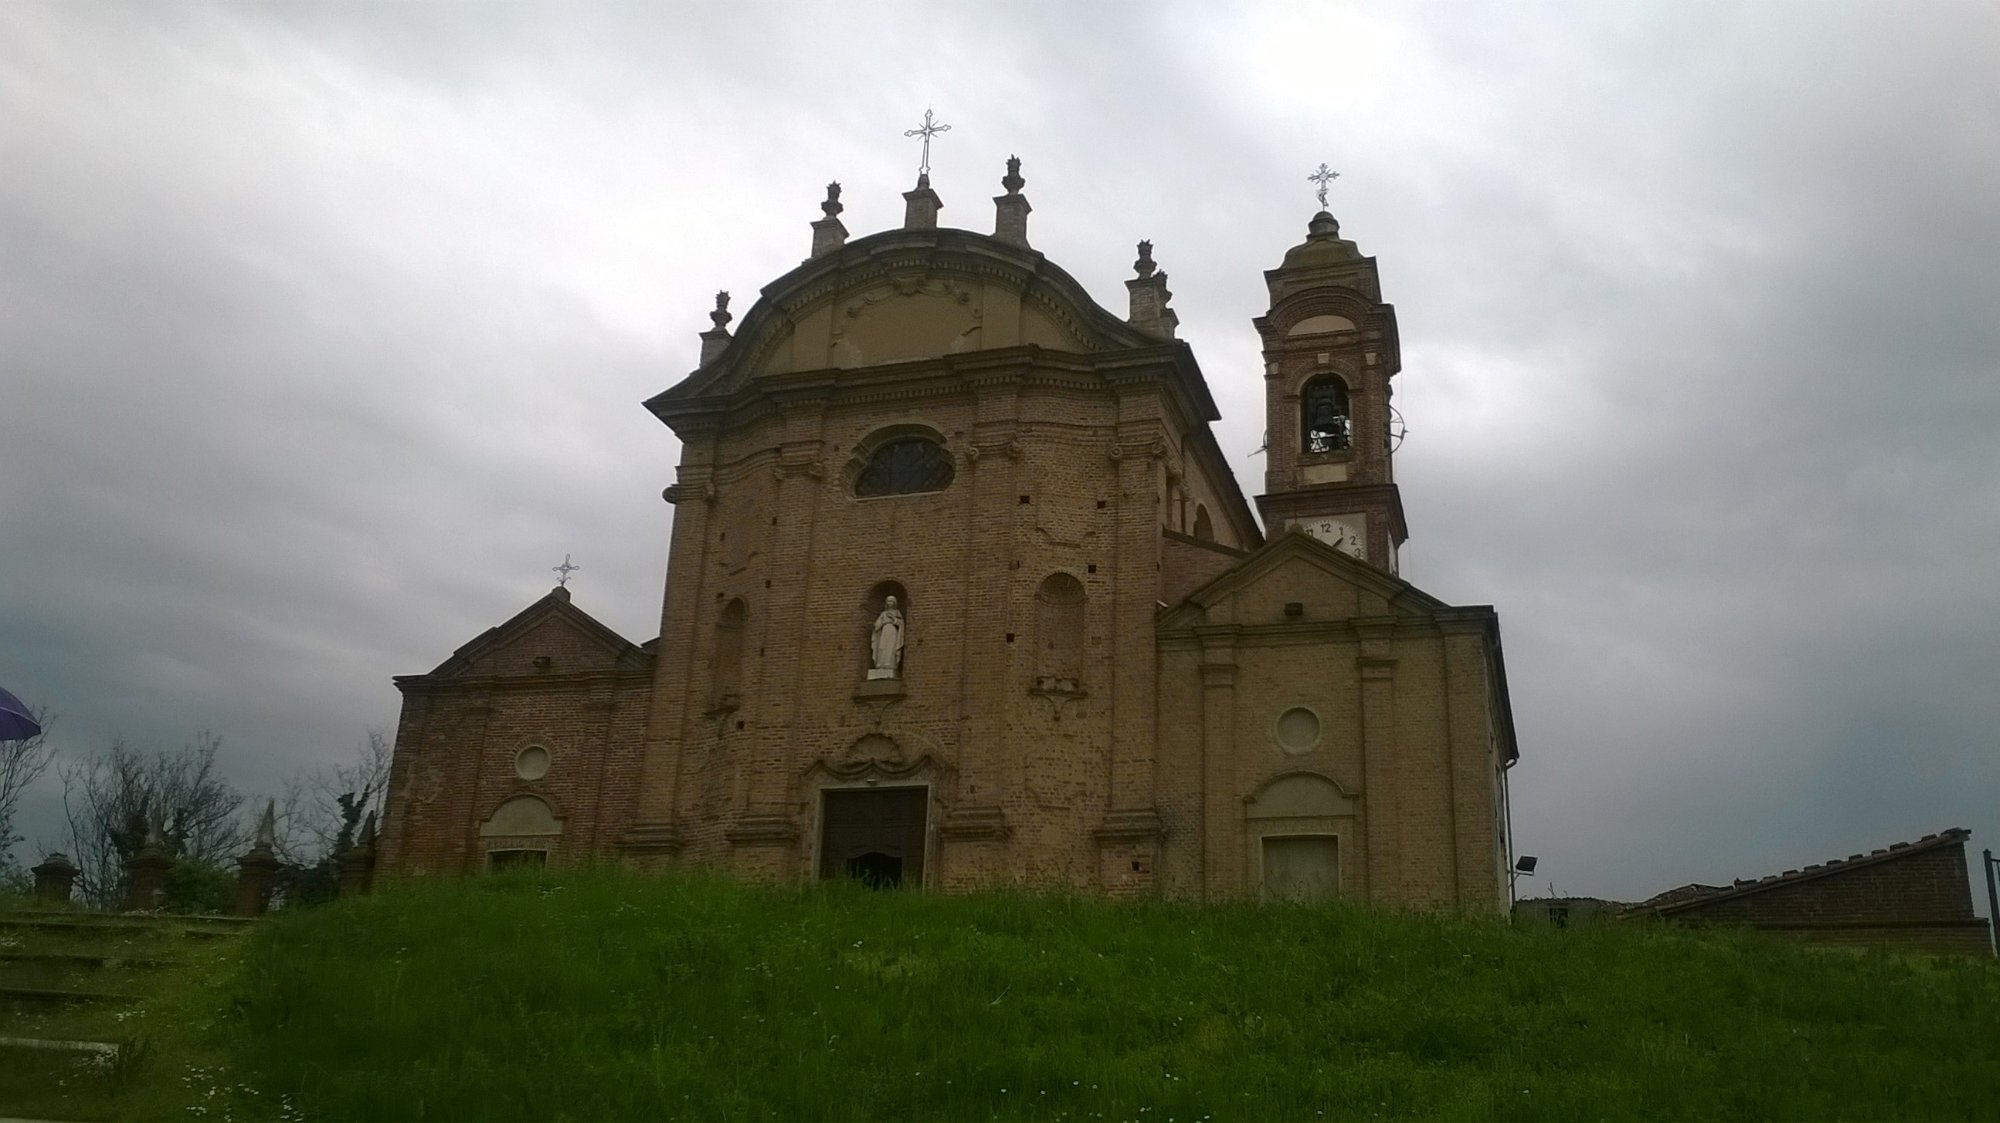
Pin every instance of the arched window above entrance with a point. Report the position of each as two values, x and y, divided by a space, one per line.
905 465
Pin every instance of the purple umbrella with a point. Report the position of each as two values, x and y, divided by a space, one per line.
16 723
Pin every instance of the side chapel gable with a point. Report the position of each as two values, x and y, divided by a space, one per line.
1296 568
552 629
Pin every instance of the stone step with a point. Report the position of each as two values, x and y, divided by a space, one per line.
21 925
40 997
91 960
134 919
62 1045
95 971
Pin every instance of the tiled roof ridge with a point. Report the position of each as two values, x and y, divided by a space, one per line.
1817 869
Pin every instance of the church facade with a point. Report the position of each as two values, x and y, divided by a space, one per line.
962 591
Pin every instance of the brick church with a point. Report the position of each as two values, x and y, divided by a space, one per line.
963 592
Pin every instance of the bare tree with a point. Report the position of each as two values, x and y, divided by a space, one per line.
318 817
318 813
112 800
21 764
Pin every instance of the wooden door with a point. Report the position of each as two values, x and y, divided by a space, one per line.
874 834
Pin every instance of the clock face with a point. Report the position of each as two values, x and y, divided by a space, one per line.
1341 534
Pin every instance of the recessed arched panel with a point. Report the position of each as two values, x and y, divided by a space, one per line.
524 816
1321 325
1300 795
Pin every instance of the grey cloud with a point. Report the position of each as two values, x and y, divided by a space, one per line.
324 329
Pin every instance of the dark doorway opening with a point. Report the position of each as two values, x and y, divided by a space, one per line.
876 870
503 861
875 835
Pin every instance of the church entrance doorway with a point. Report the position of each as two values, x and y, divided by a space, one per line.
874 835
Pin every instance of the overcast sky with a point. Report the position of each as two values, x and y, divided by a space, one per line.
324 328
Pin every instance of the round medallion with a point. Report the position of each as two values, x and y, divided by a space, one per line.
1297 730
531 763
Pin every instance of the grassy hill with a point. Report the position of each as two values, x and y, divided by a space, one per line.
607 996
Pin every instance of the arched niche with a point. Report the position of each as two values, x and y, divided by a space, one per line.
1204 528
726 689
879 599
1059 632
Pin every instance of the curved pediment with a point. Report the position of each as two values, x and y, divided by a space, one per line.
910 295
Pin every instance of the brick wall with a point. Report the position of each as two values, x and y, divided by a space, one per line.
1915 896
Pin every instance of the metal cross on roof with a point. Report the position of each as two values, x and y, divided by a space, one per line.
565 569
1323 175
927 130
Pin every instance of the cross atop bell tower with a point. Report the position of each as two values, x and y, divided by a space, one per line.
1330 349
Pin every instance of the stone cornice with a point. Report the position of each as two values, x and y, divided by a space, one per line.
525 683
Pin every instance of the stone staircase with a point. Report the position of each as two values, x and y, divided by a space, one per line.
68 983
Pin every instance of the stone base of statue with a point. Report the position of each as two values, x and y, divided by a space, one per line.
880 672
878 690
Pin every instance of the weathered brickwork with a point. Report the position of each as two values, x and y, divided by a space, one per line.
551 679
1102 652
1912 895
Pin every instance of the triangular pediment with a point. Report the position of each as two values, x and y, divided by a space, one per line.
1295 568
550 636
905 296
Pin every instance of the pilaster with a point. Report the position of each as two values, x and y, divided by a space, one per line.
1221 803
1375 668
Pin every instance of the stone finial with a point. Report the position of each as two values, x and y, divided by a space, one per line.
266 838
1323 225
921 205
1150 295
828 232
55 878
715 340
257 870
146 871
1010 218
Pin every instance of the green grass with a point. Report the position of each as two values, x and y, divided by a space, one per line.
606 996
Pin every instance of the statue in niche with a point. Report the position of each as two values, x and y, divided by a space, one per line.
885 643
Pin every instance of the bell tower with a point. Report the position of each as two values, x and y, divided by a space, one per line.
1330 349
